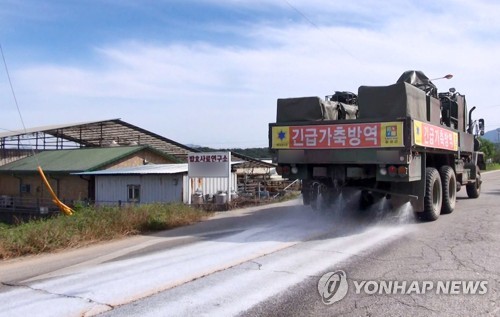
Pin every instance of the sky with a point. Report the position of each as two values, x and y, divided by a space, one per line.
209 72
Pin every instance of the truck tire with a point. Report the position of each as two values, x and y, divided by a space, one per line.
315 203
315 196
449 181
474 189
433 198
366 200
321 202
306 199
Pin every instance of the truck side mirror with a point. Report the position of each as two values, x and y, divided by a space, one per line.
481 127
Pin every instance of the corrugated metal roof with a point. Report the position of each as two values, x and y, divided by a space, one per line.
100 133
49 128
142 170
69 161
145 169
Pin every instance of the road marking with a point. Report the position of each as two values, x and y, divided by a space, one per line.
233 291
94 286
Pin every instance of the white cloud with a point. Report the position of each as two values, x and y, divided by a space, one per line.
225 95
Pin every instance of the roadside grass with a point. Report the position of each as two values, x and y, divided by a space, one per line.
288 196
492 166
89 225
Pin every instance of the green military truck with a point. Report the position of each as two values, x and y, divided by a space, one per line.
405 142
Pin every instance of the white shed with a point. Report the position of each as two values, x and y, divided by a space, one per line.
154 183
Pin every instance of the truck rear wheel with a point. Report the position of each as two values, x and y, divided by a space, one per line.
306 199
474 189
366 200
433 198
449 181
322 201
316 202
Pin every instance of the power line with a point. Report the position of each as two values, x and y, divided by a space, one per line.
67 210
12 87
15 101
303 15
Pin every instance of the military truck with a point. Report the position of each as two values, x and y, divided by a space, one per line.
404 142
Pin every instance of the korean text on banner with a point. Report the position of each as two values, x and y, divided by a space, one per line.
429 135
357 135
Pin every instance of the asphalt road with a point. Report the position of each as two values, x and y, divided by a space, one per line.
268 261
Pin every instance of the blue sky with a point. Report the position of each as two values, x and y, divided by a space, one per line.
209 71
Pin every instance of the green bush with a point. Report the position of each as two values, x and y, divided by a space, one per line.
88 225
492 166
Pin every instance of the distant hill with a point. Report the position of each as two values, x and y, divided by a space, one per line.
491 136
194 146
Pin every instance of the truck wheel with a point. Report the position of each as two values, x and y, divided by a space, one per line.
433 194
366 200
474 189
306 199
315 203
315 196
322 202
327 198
449 181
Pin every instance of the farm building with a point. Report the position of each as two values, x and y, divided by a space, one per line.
63 150
21 185
155 183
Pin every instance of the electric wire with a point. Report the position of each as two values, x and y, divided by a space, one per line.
17 103
303 15
65 209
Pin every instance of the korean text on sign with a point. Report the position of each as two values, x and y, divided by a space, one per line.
201 158
438 137
336 136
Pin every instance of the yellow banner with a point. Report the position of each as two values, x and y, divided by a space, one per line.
430 135
418 132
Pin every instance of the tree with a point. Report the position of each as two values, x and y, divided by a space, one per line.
496 157
488 148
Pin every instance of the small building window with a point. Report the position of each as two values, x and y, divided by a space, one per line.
25 188
134 193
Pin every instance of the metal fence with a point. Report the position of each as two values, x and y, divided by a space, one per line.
26 204
17 209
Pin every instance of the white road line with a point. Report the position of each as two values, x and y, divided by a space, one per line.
93 287
234 291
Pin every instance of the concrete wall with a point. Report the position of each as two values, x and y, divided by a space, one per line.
140 158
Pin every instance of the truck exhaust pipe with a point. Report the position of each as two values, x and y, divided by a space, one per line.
471 123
